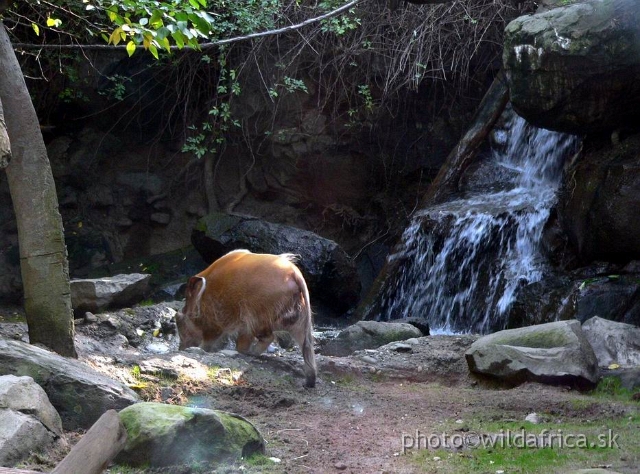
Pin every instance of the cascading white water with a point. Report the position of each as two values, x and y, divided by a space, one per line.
463 261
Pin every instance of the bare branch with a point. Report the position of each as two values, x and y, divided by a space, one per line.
203 46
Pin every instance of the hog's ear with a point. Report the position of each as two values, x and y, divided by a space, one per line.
194 286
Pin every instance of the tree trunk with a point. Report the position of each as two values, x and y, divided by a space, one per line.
43 255
446 182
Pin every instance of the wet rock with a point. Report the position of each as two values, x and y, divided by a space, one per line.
369 335
613 342
599 202
616 296
554 353
421 323
110 292
330 274
79 393
572 68
163 435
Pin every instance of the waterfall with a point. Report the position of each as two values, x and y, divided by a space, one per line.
463 261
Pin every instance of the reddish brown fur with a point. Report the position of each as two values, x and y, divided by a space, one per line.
248 296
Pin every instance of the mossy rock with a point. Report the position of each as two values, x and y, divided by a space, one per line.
554 353
164 435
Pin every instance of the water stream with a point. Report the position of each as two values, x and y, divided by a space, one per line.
464 261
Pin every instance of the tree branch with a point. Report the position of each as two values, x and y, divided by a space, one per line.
203 46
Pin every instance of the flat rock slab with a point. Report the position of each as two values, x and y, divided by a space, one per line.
98 294
80 394
554 353
369 335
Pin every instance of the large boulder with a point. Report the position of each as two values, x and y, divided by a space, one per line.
555 353
574 68
163 435
118 291
599 202
330 273
369 335
79 393
28 421
613 342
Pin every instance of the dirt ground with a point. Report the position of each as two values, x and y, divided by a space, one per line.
355 418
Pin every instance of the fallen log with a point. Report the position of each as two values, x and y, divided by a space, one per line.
446 182
93 453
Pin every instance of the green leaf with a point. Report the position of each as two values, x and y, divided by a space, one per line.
164 43
54 22
156 19
202 25
153 50
115 36
179 39
131 48
36 28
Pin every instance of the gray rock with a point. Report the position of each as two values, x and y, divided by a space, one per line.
603 179
571 68
98 294
613 342
160 218
28 421
24 395
532 418
147 182
21 435
80 394
330 274
369 335
400 347
162 435
554 353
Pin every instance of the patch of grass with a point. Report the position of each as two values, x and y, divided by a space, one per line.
610 387
581 404
573 445
259 460
147 302
346 380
